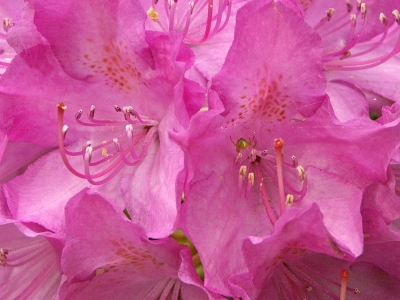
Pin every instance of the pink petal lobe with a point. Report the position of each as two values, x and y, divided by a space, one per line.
106 255
273 59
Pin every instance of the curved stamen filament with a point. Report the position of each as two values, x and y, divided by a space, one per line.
117 162
61 107
264 194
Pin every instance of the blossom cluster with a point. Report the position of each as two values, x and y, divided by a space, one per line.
231 149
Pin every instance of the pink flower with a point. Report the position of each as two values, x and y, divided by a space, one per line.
361 42
29 265
239 182
107 255
125 91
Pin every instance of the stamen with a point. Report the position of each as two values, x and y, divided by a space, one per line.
363 10
349 6
258 164
250 184
152 14
278 144
264 194
289 201
343 287
329 13
3 257
91 112
383 19
7 24
396 15
242 177
301 171
64 131
135 131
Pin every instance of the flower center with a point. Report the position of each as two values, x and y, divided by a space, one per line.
261 167
305 282
199 20
356 54
109 157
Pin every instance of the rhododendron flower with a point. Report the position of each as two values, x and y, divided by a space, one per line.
124 89
238 175
361 43
113 258
206 25
8 10
29 267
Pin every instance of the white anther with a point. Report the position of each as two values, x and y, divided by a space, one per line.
238 158
7 24
250 178
349 6
289 200
301 171
295 161
243 172
191 7
329 13
117 108
346 54
64 130
353 19
363 10
79 114
358 5
396 15
116 144
88 153
129 131
253 155
383 19
91 112
88 143
357 291
264 153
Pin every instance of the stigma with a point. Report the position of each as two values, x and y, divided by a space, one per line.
354 53
277 179
199 21
132 136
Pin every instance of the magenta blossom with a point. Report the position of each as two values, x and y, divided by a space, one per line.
29 265
361 43
108 256
239 182
124 89
206 25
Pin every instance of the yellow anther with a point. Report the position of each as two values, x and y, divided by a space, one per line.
251 178
301 171
152 14
104 150
289 200
243 171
